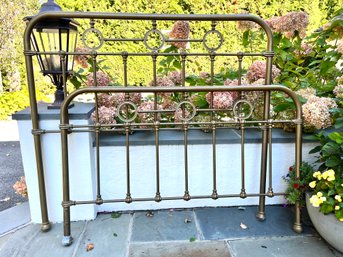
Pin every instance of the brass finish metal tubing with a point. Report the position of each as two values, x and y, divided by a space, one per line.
243 193
270 158
158 193
297 227
45 226
65 177
128 198
214 160
97 149
186 195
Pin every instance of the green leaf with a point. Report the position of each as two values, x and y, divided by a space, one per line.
115 215
192 239
326 208
177 64
246 38
282 107
325 66
316 149
337 137
333 161
330 148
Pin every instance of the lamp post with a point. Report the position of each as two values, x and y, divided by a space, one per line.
52 39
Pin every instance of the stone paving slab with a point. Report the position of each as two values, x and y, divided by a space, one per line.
163 226
224 223
282 247
14 217
3 240
19 241
108 235
31 242
184 249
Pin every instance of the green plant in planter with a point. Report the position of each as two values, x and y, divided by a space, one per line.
327 192
298 186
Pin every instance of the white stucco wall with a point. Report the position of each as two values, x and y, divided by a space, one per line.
142 166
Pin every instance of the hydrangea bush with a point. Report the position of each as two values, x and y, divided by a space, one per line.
306 63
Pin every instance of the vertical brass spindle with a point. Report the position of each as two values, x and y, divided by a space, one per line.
97 132
214 161
212 56
154 59
297 227
185 129
270 192
67 239
158 194
128 198
243 193
264 151
240 59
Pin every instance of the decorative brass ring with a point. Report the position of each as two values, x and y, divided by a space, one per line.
191 116
238 115
96 31
213 32
146 39
121 116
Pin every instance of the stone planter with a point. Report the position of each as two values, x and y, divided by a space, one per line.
327 226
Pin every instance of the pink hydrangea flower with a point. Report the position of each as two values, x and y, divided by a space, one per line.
106 115
340 47
180 30
316 111
118 98
163 82
222 100
175 77
306 93
257 71
338 91
82 60
146 117
102 79
179 115
289 23
246 25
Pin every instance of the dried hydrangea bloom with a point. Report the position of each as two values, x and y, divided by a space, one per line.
180 30
245 25
179 114
289 23
102 79
253 96
118 98
105 100
338 91
272 23
106 115
316 112
163 82
257 71
176 77
82 60
306 93
340 80
222 100
204 75
148 117
20 187
339 48
306 49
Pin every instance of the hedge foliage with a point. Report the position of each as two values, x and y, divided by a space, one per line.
140 69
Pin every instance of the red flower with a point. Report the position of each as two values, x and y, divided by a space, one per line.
296 185
290 168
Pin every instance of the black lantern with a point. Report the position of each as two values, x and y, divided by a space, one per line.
58 36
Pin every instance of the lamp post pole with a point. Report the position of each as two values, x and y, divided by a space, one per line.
43 38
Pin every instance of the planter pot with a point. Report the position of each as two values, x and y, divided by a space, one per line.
327 226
